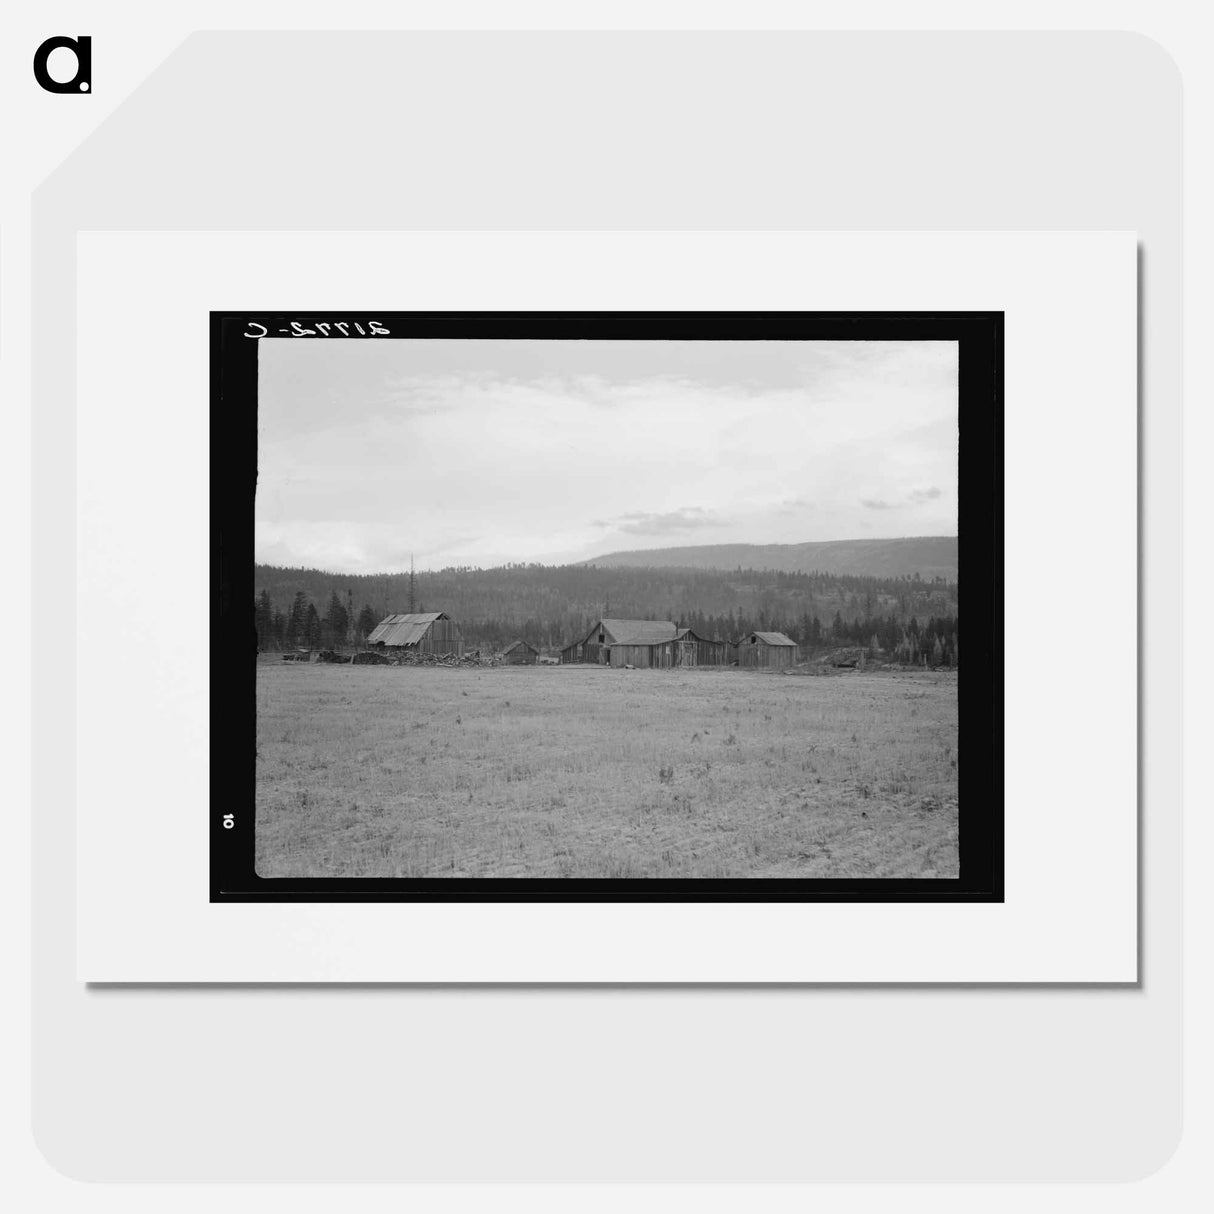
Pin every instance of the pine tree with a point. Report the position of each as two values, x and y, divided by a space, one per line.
366 623
263 618
296 620
336 622
312 627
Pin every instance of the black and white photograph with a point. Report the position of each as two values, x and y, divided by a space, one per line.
635 602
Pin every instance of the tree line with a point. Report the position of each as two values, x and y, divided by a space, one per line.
301 625
906 619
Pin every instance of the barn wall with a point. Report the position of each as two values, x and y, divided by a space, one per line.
633 655
443 636
695 651
584 652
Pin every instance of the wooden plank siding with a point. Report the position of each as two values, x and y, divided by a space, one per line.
755 654
520 654
695 650
585 651
661 656
443 636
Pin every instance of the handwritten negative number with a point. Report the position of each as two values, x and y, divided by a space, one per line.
336 328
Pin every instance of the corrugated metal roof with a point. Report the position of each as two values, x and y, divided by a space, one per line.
774 638
403 629
639 632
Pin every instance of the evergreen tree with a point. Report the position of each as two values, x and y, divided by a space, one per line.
263 617
336 622
367 620
312 628
297 619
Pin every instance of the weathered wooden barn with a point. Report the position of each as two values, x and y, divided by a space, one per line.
626 643
520 654
419 632
695 650
766 650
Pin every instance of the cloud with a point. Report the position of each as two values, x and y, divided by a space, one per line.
457 450
641 522
916 497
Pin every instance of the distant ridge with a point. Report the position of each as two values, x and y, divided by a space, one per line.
928 556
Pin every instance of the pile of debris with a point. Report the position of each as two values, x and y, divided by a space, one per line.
380 657
473 658
853 658
369 657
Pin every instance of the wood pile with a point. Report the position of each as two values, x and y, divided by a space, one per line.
370 658
474 658
375 657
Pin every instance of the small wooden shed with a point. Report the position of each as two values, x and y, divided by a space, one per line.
766 650
520 654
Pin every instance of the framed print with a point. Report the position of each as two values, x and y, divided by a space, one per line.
461 689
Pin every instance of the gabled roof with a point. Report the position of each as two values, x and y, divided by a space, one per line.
689 634
632 632
774 638
404 629
520 645
639 632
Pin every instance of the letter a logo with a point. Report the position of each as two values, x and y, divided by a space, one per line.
82 81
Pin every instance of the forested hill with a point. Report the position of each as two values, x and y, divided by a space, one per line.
928 556
551 605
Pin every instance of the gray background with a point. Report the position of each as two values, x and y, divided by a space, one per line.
618 131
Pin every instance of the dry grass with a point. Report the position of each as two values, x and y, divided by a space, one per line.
587 772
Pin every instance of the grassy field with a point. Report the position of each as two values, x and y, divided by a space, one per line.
588 772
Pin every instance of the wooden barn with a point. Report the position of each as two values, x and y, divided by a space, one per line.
766 650
520 654
695 650
419 632
626 643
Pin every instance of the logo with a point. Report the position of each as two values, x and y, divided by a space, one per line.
82 81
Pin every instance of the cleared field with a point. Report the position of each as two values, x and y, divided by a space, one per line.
590 772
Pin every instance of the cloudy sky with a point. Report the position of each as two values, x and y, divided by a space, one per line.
483 452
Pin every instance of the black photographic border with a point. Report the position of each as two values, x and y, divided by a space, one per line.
234 338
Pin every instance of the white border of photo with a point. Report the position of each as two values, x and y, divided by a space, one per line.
1071 908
